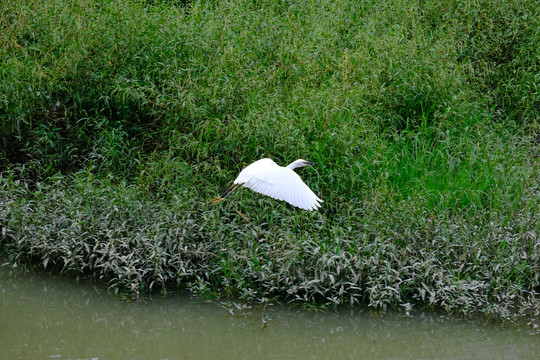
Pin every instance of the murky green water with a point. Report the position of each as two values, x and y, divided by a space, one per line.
43 317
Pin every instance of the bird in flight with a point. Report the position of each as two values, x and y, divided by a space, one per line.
279 182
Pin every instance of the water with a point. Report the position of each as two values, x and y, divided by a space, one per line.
46 317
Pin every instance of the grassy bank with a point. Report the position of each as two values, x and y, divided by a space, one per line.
121 119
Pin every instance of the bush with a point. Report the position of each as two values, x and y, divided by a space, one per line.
122 119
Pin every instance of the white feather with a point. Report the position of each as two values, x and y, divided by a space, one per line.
266 177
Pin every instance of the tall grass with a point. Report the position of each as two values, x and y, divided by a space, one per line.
120 119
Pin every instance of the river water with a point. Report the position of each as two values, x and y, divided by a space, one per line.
48 317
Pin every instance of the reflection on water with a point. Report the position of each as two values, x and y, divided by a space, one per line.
44 317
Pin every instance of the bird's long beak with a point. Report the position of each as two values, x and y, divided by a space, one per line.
311 163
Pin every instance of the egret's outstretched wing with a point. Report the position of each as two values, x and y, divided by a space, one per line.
268 178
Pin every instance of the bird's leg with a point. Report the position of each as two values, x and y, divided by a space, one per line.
230 190
225 194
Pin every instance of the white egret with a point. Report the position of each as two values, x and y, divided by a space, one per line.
268 178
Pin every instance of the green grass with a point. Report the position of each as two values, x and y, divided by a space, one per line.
121 119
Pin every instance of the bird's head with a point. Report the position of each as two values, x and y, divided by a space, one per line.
299 163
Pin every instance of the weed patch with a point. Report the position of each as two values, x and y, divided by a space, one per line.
121 119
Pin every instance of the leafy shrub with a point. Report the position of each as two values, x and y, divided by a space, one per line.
120 119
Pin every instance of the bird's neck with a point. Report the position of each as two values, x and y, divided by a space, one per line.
295 164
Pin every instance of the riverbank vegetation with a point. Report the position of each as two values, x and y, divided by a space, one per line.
122 119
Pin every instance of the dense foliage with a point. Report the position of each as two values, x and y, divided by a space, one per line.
121 119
